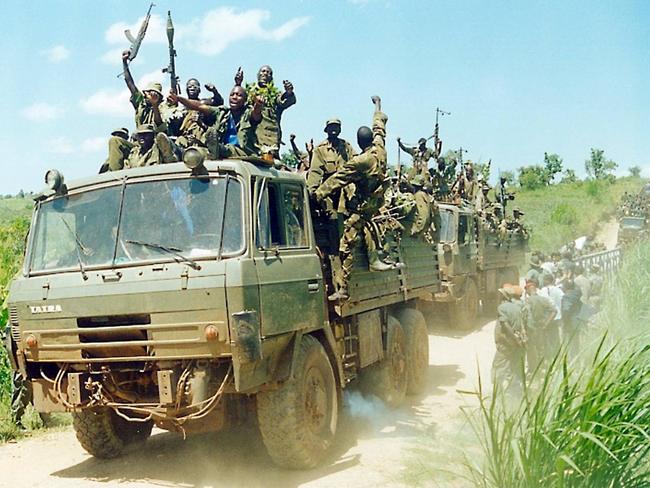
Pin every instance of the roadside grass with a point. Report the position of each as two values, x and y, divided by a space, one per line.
12 208
586 421
560 213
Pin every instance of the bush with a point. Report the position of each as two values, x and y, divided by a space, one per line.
564 214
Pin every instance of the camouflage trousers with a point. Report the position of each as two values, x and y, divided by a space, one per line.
354 228
21 396
118 151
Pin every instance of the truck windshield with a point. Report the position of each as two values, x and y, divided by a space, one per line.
447 232
632 223
180 219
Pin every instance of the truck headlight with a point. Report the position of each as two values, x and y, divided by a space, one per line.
54 179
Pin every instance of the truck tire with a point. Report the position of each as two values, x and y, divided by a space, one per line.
463 313
417 348
132 432
388 378
298 420
96 432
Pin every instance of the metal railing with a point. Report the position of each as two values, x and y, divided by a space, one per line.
609 261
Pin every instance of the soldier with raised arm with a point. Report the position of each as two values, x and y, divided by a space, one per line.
146 102
421 155
367 171
233 133
269 131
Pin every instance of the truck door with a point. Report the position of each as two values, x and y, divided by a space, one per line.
288 268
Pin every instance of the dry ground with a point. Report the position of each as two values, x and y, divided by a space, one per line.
416 444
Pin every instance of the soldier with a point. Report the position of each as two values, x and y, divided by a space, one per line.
538 315
147 102
119 148
150 148
572 323
176 115
422 220
269 131
329 155
508 365
421 155
367 172
554 294
304 158
233 133
535 271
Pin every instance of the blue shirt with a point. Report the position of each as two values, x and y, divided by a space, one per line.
230 137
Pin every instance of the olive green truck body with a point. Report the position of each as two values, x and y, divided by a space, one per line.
189 300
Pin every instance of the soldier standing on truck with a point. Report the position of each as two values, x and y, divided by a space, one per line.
421 155
329 156
508 365
151 148
368 172
269 131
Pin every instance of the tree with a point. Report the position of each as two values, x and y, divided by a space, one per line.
635 171
553 166
532 177
569 176
290 159
483 169
598 167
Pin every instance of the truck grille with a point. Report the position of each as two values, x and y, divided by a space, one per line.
13 320
110 329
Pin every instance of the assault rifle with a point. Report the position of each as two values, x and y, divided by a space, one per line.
137 41
437 143
171 68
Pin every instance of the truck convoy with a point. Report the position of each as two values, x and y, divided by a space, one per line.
191 296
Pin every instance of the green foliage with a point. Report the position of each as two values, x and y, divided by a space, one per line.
591 203
598 167
635 171
552 165
564 214
569 176
586 421
290 159
483 170
532 177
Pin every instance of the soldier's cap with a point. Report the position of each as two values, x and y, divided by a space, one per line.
421 140
145 128
154 87
121 132
517 210
332 122
510 291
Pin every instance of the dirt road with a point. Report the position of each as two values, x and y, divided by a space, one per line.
377 446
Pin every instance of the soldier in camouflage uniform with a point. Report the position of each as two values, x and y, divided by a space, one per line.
234 130
150 148
538 315
421 155
508 365
268 132
422 218
176 115
147 102
329 155
368 172
119 147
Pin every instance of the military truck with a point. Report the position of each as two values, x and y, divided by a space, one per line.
474 262
631 229
193 295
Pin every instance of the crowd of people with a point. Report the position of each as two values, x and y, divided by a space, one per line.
553 308
634 205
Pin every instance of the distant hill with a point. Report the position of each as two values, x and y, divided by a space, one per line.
561 213
11 208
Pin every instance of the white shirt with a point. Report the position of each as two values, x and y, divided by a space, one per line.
554 294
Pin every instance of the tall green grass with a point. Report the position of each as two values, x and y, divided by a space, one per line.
586 421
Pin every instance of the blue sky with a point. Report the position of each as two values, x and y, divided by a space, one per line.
520 78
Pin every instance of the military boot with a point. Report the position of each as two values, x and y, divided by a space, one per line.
376 264
166 148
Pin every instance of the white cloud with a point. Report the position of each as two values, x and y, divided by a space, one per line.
216 30
116 103
60 145
93 144
56 54
41 111
209 34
